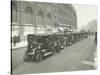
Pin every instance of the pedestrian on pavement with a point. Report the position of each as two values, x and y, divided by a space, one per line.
95 40
15 40
18 38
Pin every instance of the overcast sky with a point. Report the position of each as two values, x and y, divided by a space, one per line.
85 13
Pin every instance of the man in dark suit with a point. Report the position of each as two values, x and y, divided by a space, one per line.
95 40
15 40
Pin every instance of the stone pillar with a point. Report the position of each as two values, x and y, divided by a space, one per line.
21 20
35 21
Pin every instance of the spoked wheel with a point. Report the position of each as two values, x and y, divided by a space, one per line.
25 57
39 57
64 45
58 48
52 48
67 44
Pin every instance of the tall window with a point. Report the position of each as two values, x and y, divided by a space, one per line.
14 15
14 12
40 29
28 30
48 19
28 15
40 18
28 21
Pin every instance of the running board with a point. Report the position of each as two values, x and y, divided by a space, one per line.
48 53
62 46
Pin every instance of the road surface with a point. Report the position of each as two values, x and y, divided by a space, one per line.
79 56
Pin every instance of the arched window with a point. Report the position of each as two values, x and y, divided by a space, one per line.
40 13
28 15
40 19
49 16
14 12
49 19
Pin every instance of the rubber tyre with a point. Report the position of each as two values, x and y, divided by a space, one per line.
25 57
39 57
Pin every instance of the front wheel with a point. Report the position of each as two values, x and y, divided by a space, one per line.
39 57
25 57
58 48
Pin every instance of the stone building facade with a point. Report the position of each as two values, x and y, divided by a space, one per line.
39 17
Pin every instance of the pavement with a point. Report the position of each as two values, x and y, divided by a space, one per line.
19 45
79 56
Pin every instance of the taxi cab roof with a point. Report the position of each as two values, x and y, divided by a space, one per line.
45 34
40 34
